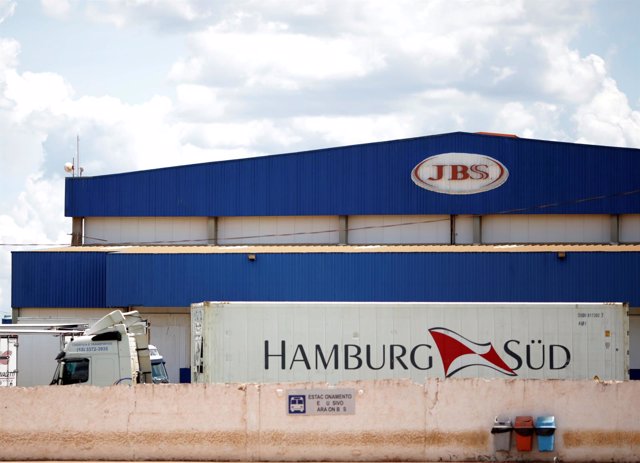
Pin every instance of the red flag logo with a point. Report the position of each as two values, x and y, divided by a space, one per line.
457 352
4 357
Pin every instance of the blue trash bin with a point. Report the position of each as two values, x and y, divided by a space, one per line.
545 431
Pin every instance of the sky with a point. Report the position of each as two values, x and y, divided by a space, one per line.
154 83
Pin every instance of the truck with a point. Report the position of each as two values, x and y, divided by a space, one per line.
35 340
113 350
8 368
158 366
266 342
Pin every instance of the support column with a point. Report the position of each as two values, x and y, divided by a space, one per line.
212 231
77 231
477 229
343 229
614 237
452 226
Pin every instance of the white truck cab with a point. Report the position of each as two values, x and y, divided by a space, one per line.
112 351
158 367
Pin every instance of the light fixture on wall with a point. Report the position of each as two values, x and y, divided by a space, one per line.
251 257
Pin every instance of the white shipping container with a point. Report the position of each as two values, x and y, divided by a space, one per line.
262 342
8 360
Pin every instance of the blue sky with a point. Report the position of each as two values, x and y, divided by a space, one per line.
153 83
97 58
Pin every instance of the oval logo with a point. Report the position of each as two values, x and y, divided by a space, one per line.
459 173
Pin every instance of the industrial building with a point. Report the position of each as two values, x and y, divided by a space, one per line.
456 217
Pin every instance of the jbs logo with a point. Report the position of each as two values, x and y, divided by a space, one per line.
459 173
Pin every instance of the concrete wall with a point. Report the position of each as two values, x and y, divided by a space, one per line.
394 420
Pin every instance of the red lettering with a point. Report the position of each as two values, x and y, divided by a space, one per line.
459 172
439 172
478 169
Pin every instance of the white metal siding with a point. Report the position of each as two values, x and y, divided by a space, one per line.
629 226
384 229
546 229
278 230
36 359
170 334
634 340
236 334
151 230
399 229
464 229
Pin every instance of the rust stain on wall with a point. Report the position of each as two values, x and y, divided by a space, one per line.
601 438
95 440
473 439
92 440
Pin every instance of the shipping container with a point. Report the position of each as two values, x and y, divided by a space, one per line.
8 360
263 342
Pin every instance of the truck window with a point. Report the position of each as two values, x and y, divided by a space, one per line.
159 372
75 371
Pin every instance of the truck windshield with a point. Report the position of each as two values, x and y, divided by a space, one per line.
159 372
75 371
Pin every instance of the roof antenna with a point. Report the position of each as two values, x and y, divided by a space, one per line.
70 167
80 169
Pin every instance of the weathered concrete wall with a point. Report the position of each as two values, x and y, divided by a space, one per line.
394 420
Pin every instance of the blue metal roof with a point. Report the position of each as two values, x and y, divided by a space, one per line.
50 279
544 177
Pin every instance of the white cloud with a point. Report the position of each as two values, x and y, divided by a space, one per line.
502 73
7 8
20 155
56 8
569 76
272 76
528 121
199 102
35 92
9 50
275 59
40 206
160 13
608 119
36 218
246 135
338 131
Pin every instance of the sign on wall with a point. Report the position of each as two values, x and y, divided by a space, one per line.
459 173
321 402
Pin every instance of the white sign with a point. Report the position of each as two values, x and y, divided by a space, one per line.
321 402
92 347
459 173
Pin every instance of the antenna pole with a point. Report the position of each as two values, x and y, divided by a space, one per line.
78 154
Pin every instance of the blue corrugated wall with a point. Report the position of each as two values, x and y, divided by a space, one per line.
57 279
544 177
121 280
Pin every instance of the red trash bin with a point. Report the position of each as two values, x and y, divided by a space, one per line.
523 427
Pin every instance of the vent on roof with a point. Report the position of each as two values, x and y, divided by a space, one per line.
495 134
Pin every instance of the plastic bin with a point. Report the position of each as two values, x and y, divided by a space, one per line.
524 433
545 432
185 375
501 431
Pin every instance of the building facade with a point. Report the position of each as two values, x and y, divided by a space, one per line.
456 217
